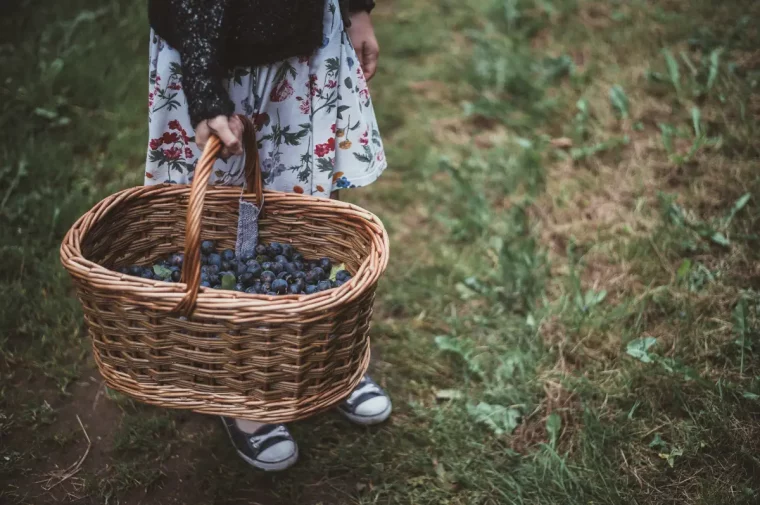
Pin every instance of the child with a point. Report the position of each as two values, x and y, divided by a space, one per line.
298 68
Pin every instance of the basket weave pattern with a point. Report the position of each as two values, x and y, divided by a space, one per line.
270 359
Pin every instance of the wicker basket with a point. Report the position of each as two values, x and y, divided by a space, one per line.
269 359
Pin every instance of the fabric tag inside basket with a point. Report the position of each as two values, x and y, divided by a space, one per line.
247 231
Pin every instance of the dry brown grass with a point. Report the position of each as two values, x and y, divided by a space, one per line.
557 400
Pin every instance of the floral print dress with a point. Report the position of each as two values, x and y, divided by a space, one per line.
315 125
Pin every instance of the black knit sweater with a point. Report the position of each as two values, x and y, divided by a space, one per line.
214 36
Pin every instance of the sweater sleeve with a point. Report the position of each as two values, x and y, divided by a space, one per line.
201 28
361 5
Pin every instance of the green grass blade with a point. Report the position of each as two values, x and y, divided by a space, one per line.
740 327
673 71
738 206
619 100
714 67
696 121
687 60
667 134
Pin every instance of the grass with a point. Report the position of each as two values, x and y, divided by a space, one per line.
571 313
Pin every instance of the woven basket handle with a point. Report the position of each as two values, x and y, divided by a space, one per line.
191 270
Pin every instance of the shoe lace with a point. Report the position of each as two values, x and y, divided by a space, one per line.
257 440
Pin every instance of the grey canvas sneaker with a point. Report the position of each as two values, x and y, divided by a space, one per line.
368 403
270 447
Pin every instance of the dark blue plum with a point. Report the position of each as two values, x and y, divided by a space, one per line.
215 259
287 250
227 265
277 267
135 270
251 290
176 276
239 287
240 268
247 278
300 275
325 264
321 274
267 265
274 249
296 256
177 259
311 277
342 275
205 284
228 255
147 274
213 269
207 246
261 250
214 279
280 286
324 285
281 259
267 276
294 289
310 289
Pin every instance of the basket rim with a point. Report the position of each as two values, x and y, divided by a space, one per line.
165 295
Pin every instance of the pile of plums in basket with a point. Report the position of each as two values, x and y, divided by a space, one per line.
275 269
